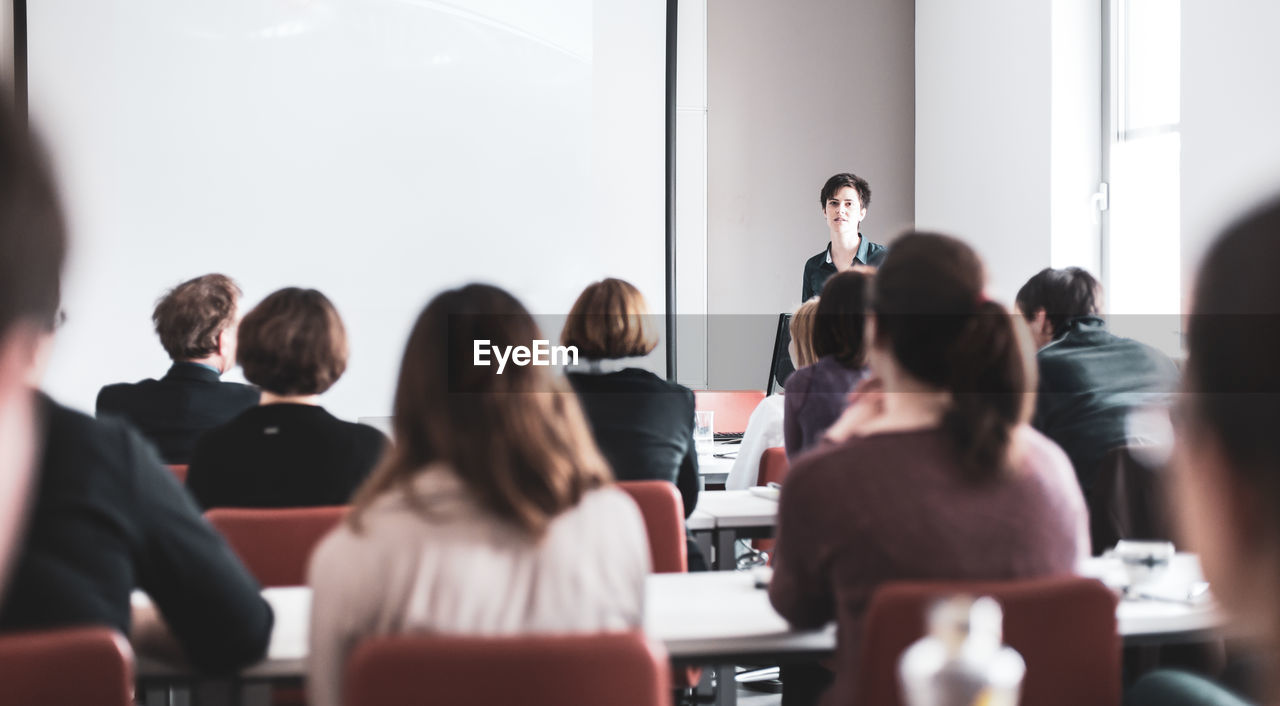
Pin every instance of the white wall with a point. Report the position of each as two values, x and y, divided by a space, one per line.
1230 116
797 91
983 131
1008 119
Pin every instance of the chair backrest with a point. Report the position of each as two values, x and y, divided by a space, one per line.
1064 627
732 407
773 466
275 544
66 667
663 513
179 471
620 669
773 469
1129 500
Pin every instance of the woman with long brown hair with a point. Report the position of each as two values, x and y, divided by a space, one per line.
936 476
492 515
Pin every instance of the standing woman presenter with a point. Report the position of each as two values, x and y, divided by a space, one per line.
844 200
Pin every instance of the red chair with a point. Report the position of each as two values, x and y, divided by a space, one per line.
180 472
66 667
773 469
276 543
732 407
663 512
620 669
1064 627
773 466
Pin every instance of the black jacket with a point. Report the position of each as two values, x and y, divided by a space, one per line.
817 269
1090 380
283 455
175 410
643 426
108 518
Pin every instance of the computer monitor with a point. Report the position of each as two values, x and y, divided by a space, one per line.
780 367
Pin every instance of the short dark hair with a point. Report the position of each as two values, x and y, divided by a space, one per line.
610 319
839 322
842 180
190 317
33 237
293 343
1063 294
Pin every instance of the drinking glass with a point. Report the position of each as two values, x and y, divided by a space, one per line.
704 437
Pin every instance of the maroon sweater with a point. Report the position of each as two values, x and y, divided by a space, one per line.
893 506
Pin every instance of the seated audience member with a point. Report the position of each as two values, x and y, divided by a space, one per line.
1090 379
1227 453
492 515
642 424
936 476
818 393
196 322
105 517
764 428
287 451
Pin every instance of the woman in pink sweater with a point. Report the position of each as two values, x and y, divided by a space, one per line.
933 476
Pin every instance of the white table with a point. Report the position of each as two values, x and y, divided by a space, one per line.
714 618
714 469
725 516
718 618
1157 621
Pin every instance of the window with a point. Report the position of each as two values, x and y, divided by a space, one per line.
1141 262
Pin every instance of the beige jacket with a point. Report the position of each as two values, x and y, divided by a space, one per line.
458 569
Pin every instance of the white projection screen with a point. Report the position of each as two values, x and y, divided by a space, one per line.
377 150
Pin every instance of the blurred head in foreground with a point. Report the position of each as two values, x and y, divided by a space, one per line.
1228 451
33 245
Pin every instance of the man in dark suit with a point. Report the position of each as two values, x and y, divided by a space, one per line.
1090 379
196 321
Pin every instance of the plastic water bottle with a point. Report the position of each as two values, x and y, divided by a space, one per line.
962 661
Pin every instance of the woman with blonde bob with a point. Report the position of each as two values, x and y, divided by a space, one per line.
643 424
764 428
494 513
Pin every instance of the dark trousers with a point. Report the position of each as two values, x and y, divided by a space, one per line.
804 683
